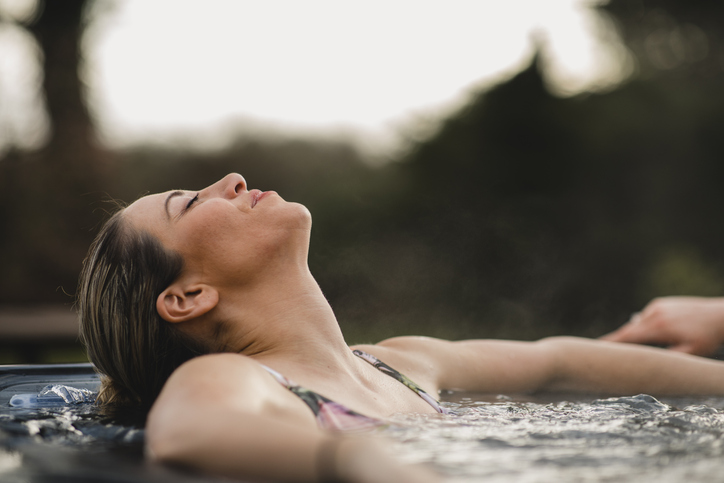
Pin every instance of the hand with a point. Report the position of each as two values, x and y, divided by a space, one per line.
686 324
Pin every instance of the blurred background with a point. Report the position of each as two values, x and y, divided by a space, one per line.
509 169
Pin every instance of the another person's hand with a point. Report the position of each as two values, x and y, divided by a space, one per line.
687 324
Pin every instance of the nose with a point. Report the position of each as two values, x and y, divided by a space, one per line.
230 186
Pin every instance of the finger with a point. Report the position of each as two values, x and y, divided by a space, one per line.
618 334
637 334
612 336
695 348
622 333
688 348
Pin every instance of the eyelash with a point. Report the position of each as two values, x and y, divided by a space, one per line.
194 199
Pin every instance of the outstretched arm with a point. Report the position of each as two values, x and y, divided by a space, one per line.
687 324
598 366
560 363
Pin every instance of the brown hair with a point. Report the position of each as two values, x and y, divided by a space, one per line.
133 348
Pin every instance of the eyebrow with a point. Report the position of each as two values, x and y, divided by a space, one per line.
171 195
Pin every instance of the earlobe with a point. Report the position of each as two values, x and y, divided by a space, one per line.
180 303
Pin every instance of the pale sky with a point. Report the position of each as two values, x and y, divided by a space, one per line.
199 72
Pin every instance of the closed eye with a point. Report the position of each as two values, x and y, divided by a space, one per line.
193 200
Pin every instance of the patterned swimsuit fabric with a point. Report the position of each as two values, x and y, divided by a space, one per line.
337 417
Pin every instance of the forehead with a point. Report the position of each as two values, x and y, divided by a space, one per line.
148 212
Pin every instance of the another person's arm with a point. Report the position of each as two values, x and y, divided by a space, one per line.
219 416
686 324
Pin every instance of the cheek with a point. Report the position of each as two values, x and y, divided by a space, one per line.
206 233
227 242
222 233
226 239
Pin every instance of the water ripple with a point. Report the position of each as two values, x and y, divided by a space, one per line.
636 438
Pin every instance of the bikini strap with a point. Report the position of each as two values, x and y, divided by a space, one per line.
384 368
329 414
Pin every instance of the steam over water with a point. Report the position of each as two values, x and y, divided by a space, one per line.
636 438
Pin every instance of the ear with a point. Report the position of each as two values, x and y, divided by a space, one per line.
179 302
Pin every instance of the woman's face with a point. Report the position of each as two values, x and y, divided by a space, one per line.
225 231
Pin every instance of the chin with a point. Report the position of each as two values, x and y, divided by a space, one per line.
302 215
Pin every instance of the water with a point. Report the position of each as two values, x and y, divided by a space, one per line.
569 439
561 438
44 441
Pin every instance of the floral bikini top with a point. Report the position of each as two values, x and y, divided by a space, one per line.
334 416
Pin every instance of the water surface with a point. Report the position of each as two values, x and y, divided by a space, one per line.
561 438
569 439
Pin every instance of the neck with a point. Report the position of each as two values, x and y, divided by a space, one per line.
284 318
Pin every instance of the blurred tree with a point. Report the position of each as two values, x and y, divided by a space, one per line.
58 30
527 214
524 215
46 214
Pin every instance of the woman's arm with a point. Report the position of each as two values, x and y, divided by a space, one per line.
224 415
591 365
560 363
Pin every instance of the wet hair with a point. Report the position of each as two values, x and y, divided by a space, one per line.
132 347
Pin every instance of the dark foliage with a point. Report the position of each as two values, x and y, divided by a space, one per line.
525 215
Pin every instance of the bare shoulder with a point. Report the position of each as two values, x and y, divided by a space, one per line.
414 343
222 371
228 383
216 377
480 365
451 352
401 348
413 356
433 357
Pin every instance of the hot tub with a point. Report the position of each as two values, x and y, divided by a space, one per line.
48 436
48 440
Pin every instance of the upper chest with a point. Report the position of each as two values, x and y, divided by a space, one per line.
378 390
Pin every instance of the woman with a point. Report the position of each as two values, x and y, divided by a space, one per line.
223 272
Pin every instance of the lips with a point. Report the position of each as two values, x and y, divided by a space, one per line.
255 195
258 195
